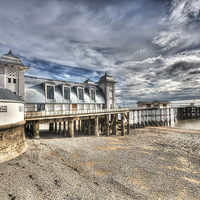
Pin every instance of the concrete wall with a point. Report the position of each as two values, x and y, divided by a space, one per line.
2 77
49 107
21 83
12 141
12 86
57 106
13 115
66 107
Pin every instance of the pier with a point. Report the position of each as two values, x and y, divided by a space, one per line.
117 121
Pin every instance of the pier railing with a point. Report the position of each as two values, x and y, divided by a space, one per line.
43 113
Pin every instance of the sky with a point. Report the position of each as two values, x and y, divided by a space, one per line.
150 47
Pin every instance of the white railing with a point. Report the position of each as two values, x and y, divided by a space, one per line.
32 114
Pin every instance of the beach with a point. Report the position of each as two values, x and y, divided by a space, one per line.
150 163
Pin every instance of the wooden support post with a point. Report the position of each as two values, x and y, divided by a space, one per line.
50 126
79 125
74 125
71 128
35 130
128 122
64 128
114 131
122 124
106 125
169 116
89 127
84 127
161 115
59 127
55 127
96 126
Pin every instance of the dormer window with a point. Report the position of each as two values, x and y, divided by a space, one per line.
92 94
80 94
50 92
66 93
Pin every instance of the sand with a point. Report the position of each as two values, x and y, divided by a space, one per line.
154 163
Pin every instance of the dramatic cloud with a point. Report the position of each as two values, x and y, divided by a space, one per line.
150 47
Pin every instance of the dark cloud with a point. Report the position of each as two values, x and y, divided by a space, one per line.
150 47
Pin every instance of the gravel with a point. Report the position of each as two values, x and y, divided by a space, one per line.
154 163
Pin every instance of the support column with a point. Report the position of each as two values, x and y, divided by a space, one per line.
35 130
55 127
71 128
128 122
79 125
106 125
50 126
89 127
74 125
59 127
84 127
64 128
115 124
122 124
96 126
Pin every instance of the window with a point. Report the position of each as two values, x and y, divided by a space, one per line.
93 94
9 80
40 107
21 108
66 93
80 94
50 92
110 90
14 80
164 105
3 108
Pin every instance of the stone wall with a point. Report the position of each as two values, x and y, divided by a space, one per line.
12 141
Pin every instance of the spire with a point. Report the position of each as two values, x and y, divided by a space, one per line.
10 52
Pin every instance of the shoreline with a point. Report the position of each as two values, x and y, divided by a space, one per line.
151 163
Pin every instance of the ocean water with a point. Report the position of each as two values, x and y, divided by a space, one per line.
187 124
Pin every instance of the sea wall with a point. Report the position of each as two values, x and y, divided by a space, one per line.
12 141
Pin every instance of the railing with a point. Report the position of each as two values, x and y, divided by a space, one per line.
32 114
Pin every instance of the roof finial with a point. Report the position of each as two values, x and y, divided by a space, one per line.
10 52
106 74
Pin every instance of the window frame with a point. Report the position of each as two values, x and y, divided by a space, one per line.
9 80
65 94
51 95
14 80
82 95
3 109
21 108
93 94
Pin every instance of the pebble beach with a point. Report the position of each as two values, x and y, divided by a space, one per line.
150 163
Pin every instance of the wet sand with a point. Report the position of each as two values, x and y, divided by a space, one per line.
151 163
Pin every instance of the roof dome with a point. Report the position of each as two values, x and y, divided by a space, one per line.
10 59
106 78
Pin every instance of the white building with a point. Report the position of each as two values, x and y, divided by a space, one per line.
11 107
49 94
